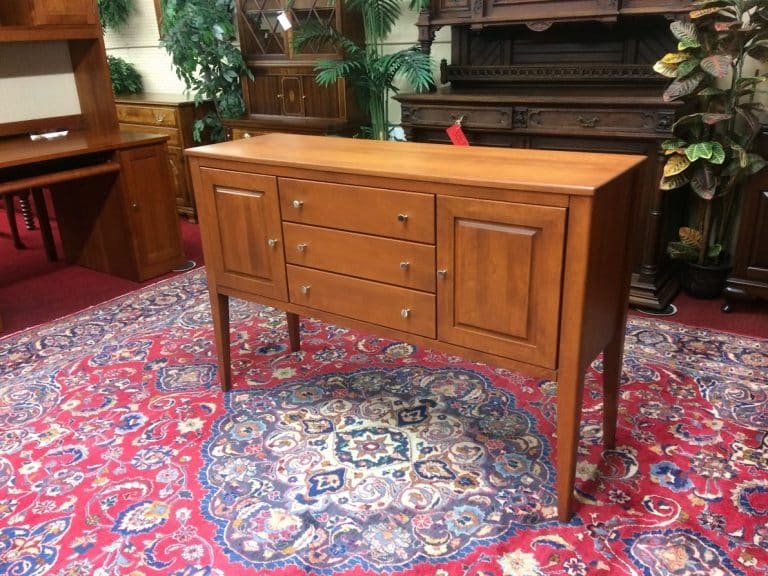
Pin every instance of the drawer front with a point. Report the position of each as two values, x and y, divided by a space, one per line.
587 120
374 258
401 215
390 306
174 138
488 118
240 133
150 115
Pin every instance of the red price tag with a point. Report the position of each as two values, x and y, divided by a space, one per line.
456 134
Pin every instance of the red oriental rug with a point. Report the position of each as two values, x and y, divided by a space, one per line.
119 455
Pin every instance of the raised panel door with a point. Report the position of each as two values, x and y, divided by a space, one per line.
500 269
244 241
151 210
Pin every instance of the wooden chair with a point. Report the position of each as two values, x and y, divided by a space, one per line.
29 221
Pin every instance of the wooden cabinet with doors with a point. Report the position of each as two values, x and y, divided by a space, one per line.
174 116
512 257
282 93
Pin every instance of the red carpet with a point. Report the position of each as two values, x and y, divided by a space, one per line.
362 456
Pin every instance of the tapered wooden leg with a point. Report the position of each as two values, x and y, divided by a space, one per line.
569 399
612 363
10 211
45 224
220 313
294 335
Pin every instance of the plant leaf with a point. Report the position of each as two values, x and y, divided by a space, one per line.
674 57
703 181
690 237
693 14
699 150
674 182
716 65
686 33
673 144
756 163
683 86
668 70
685 68
675 164
711 118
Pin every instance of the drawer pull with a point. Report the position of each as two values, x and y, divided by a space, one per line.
301 247
442 273
160 118
305 289
588 122
402 218
135 205
246 134
405 265
405 312
298 203
272 242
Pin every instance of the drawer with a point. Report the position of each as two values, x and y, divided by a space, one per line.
586 120
391 213
239 133
382 304
382 259
488 118
151 115
172 133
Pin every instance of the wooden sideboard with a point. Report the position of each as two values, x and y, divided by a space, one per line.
512 257
563 75
173 116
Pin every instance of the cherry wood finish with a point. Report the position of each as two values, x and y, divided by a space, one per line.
174 116
530 260
281 94
110 190
563 75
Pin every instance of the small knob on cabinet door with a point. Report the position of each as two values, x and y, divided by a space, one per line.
405 265
135 205
301 247
441 273
298 203
305 289
272 242
246 134
402 218
405 312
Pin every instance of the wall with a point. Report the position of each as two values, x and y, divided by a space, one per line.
138 43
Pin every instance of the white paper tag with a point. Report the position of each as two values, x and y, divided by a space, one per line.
284 21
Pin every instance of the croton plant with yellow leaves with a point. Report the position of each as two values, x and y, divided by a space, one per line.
714 146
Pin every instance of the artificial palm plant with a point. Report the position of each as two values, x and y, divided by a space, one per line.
369 69
713 151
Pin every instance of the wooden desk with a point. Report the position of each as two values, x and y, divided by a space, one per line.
111 194
513 257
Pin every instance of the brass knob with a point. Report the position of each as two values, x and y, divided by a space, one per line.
405 265
160 118
405 312
298 203
246 134
441 273
135 205
402 217
272 242
301 247
305 289
279 96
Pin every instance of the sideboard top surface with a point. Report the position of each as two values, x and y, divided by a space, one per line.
578 173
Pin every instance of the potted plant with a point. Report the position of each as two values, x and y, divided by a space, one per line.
199 35
369 69
713 151
114 14
125 78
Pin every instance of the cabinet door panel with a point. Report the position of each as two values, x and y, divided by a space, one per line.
244 244
323 101
503 266
292 96
261 93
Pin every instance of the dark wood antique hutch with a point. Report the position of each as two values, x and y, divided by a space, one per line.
568 75
282 94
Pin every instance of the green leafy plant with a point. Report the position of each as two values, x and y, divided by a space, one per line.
713 151
199 35
369 69
125 78
114 13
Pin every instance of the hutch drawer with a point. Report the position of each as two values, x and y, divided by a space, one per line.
150 115
586 119
494 118
391 306
397 262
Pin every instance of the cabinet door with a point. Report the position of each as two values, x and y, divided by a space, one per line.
499 277
243 245
151 208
